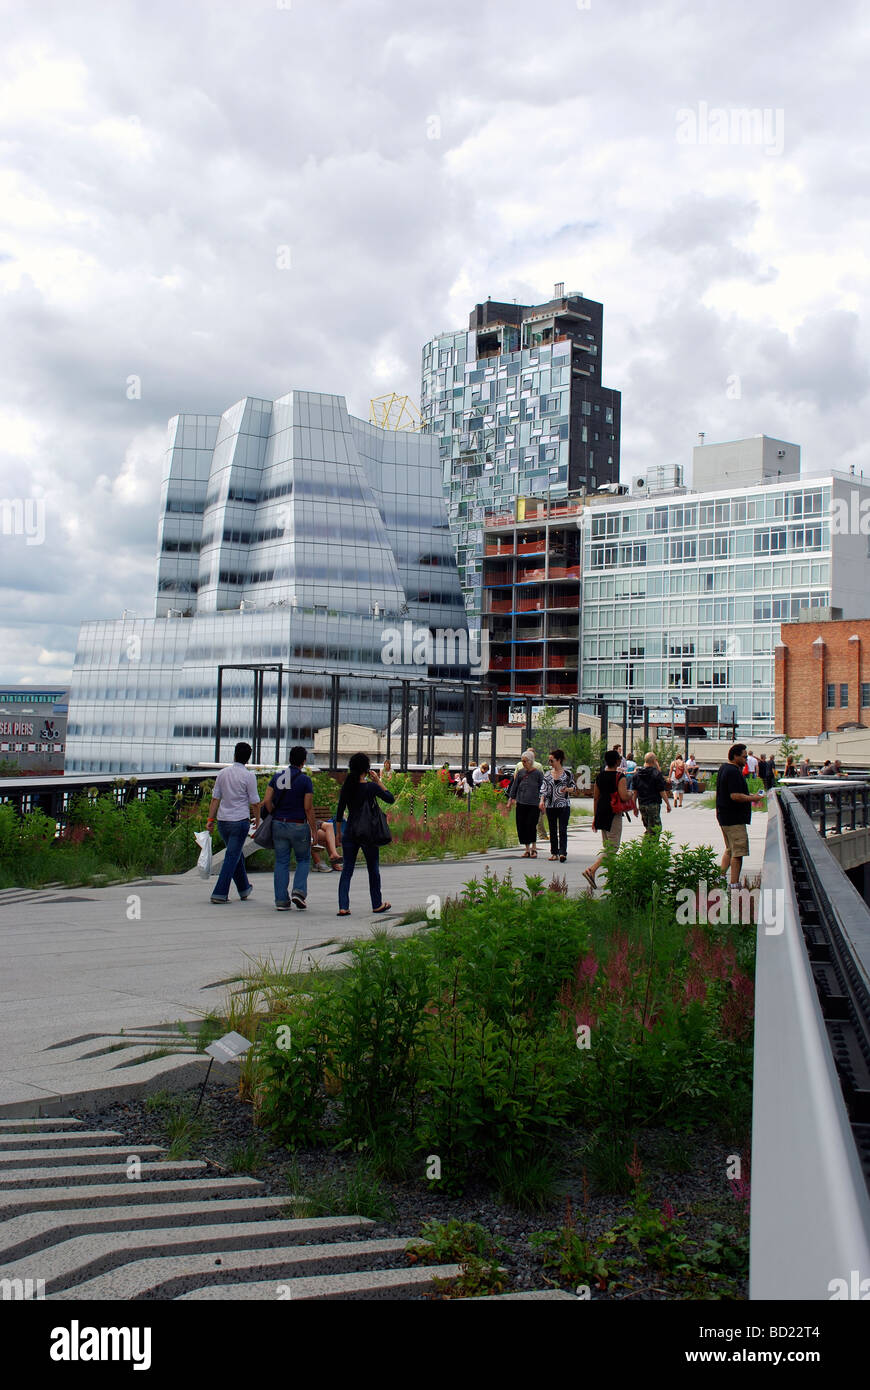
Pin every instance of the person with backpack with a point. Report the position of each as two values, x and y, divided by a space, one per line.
609 782
365 824
651 789
555 790
289 800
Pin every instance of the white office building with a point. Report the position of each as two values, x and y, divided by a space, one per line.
684 589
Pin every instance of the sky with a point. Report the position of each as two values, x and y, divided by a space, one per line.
203 201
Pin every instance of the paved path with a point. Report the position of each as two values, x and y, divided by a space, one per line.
81 965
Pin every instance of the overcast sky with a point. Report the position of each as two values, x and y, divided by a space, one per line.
156 160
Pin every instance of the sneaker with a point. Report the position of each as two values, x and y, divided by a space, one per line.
282 907
298 900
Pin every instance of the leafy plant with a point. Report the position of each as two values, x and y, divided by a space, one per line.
477 1279
451 1242
571 1253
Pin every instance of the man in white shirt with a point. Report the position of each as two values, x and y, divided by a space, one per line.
235 793
752 763
480 774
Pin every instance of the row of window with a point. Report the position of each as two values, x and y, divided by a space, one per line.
690 612
831 692
731 512
691 549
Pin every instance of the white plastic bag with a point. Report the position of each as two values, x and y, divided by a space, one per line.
203 839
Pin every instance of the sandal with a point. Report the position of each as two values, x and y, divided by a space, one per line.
534 854
553 856
384 907
589 877
526 854
343 912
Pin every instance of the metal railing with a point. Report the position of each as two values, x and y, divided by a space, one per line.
834 807
811 1098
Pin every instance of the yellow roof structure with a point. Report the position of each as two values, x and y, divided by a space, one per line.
394 412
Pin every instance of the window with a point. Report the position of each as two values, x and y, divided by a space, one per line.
844 696
865 695
830 697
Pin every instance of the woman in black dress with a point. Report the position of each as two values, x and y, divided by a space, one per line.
354 791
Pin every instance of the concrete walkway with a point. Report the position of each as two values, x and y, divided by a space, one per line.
95 980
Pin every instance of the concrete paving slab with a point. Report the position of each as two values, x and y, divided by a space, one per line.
40 1139
168 1276
132 1194
376 1283
81 1258
35 1231
50 1157
20 1178
34 1126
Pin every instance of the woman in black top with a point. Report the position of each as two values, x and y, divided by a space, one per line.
525 790
354 792
608 781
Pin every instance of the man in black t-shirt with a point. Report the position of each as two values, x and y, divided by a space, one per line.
651 790
734 805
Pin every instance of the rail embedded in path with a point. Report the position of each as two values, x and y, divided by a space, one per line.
810 1236
55 795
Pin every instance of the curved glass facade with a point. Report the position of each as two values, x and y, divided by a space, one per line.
289 531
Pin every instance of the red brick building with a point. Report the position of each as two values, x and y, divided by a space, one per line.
822 677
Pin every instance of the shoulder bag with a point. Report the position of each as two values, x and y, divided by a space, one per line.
262 836
368 824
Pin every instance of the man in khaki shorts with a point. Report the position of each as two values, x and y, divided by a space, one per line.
734 805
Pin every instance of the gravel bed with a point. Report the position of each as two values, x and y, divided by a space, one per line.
700 1193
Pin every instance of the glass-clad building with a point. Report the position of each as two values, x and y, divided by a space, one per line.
683 595
518 408
289 531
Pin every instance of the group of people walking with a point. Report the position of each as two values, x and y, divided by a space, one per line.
289 803
534 791
620 789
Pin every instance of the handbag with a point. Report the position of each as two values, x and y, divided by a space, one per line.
263 836
368 824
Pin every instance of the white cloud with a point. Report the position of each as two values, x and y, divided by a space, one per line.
155 161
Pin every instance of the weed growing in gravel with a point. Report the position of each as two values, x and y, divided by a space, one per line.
450 1242
245 1157
527 1182
571 1252
354 1194
184 1130
477 1279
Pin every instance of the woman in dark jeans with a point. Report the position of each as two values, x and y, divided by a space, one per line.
555 791
608 781
354 792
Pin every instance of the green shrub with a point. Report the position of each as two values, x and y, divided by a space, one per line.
451 1242
376 1025
293 1054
